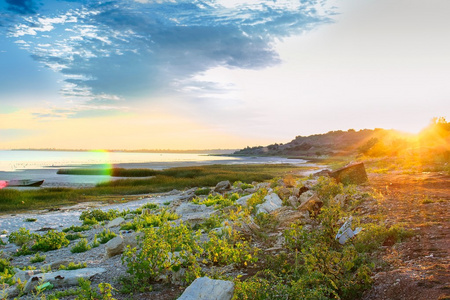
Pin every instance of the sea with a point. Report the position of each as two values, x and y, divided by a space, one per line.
43 165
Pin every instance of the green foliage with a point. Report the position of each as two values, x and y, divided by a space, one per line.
37 258
327 188
202 191
81 246
150 206
73 266
163 249
105 236
99 215
218 201
266 221
90 222
150 220
52 240
75 236
21 237
6 272
86 292
228 249
30 220
257 198
214 221
95 242
77 228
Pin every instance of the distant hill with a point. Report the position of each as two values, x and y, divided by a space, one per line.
432 142
333 142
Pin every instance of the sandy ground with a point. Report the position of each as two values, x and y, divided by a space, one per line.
419 267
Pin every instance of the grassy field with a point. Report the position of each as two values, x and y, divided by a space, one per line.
162 181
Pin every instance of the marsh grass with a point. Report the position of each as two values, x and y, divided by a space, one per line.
163 181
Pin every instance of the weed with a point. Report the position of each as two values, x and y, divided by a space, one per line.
75 236
30 220
105 236
73 266
81 246
37 258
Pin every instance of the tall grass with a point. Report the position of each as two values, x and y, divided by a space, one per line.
163 181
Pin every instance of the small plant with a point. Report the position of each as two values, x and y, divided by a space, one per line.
52 240
37 258
73 266
202 191
81 246
21 237
99 215
74 236
218 201
105 236
166 203
150 206
77 228
30 220
427 200
90 221
95 242
86 292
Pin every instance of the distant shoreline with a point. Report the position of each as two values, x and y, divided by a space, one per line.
205 151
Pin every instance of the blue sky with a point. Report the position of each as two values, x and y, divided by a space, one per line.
216 74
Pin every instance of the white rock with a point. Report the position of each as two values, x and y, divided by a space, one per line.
189 208
204 288
306 196
243 200
223 186
116 222
62 278
271 203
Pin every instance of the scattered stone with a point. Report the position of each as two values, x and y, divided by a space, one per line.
271 203
223 186
62 278
204 288
351 174
312 205
116 222
243 200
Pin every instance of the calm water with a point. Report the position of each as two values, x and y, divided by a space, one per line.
38 165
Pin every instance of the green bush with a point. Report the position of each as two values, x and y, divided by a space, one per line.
21 237
150 220
202 191
81 246
99 215
218 201
105 236
37 258
75 236
77 228
52 240
90 221
167 248
73 266
150 206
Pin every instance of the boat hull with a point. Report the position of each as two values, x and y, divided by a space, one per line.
25 182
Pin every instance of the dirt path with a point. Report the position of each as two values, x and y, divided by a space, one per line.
418 268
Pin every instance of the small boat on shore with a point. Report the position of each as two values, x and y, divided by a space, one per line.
25 182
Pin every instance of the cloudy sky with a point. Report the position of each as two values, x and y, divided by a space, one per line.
203 74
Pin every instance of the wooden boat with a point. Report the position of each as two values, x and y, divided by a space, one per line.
25 182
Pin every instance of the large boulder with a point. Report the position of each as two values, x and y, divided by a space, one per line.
351 174
271 203
115 223
223 186
114 246
312 205
62 278
193 213
243 200
204 288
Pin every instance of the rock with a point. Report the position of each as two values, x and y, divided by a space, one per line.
132 239
312 205
324 172
190 208
116 222
351 174
204 288
293 201
310 183
9 292
261 185
250 190
223 186
342 199
284 193
114 246
62 278
24 275
286 216
271 203
243 200
306 196
55 265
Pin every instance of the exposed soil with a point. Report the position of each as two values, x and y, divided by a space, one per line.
419 267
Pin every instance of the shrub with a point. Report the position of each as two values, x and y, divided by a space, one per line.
150 220
218 201
21 237
77 228
52 240
90 221
30 220
81 246
150 206
37 258
105 236
73 266
99 215
86 292
229 249
202 191
75 236
163 249
6 272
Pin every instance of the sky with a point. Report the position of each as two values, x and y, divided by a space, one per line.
176 74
